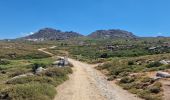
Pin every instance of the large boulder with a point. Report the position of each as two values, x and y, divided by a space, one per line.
164 62
163 74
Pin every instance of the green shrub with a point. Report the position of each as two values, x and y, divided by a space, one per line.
67 70
134 90
128 86
130 63
167 66
55 72
106 65
117 70
4 62
58 74
127 80
17 72
145 94
28 79
123 74
104 55
147 79
154 64
154 89
30 91
144 87
111 78
37 55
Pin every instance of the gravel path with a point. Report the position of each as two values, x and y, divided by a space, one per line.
86 83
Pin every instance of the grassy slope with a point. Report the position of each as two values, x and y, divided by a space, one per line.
39 87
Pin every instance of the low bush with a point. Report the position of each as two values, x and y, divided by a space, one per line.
104 55
167 66
127 80
154 64
28 79
17 72
111 78
57 72
148 96
144 87
147 79
53 76
105 65
36 55
155 88
130 63
30 91
4 62
59 75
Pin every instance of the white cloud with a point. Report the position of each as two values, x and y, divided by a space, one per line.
31 33
26 34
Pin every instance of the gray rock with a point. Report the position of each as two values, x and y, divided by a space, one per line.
164 62
40 69
163 74
20 76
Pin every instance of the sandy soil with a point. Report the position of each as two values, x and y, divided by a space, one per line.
86 83
166 88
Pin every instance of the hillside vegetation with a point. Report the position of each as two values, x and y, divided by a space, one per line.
127 60
18 60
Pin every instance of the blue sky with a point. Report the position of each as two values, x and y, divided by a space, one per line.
142 17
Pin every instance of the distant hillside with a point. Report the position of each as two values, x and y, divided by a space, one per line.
52 34
113 34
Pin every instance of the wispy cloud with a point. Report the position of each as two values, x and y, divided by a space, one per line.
30 33
26 34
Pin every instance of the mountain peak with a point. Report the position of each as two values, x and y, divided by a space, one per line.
112 33
52 34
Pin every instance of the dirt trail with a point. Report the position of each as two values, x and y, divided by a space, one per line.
86 83
43 50
166 88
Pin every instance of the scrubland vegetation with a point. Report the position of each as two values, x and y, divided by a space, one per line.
126 61
143 86
21 58
100 50
122 58
132 72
